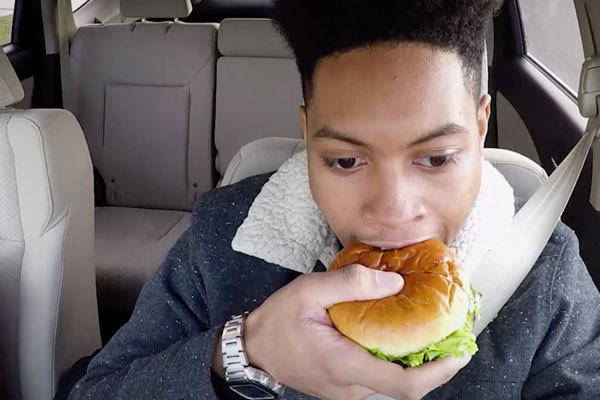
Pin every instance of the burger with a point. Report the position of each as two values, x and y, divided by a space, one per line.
431 317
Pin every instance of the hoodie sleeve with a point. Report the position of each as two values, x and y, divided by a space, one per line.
567 364
165 350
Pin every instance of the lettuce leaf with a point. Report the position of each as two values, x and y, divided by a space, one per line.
475 302
457 344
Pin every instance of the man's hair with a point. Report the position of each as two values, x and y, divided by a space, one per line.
316 29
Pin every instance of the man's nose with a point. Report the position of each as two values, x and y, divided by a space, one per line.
393 202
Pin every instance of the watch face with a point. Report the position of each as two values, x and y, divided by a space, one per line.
252 392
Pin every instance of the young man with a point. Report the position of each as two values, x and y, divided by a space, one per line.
395 122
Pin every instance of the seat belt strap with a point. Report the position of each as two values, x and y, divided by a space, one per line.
503 270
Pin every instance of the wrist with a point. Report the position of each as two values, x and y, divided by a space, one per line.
217 360
252 341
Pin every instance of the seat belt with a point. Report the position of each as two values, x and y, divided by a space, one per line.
65 32
503 270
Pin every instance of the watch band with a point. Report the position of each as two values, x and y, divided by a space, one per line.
232 348
239 375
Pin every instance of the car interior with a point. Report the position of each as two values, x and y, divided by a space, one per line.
117 119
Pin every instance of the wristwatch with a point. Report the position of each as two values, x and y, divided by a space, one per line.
244 380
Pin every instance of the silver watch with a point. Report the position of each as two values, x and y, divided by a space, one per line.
246 381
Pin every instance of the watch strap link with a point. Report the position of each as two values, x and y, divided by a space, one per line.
243 379
232 349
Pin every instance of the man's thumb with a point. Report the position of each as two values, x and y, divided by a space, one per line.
357 282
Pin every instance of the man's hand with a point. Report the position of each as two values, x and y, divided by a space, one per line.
291 337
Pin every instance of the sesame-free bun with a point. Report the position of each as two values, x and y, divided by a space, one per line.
433 303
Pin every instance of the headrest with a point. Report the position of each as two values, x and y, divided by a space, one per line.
11 90
258 37
155 8
250 37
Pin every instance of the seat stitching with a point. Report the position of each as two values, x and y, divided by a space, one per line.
171 228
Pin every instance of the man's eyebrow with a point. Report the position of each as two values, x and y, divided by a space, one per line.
444 130
328 133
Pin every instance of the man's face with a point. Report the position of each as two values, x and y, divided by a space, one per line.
394 141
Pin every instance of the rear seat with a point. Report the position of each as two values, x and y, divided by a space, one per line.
258 87
143 93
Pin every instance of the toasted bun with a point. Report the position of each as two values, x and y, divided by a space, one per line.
433 303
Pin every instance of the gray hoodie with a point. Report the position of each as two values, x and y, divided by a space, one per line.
545 342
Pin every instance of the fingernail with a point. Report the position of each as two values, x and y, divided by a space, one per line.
389 280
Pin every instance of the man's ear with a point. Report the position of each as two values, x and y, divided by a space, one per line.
303 122
484 110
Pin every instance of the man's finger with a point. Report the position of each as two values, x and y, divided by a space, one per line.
436 373
404 383
355 282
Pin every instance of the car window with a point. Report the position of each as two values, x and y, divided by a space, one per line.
552 38
7 8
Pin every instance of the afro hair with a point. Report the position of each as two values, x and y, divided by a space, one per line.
315 29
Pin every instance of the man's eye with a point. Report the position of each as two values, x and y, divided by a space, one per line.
344 164
436 161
